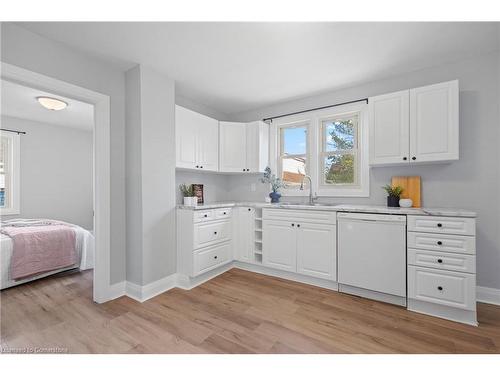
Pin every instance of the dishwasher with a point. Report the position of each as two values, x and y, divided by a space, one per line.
372 256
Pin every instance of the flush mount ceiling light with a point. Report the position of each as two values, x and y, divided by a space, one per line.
51 103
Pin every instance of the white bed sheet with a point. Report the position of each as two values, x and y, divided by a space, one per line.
85 245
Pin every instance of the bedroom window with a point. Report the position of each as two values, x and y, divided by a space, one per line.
293 153
9 174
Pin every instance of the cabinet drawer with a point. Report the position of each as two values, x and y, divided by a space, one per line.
211 232
442 242
442 287
300 216
211 257
222 213
448 225
443 261
204 215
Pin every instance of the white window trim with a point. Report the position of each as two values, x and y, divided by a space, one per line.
15 168
315 118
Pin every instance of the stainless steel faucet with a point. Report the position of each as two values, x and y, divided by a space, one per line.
311 197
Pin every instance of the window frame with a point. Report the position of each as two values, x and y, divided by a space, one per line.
14 163
314 161
323 153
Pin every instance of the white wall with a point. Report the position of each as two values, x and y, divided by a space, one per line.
472 183
31 51
56 172
151 245
215 186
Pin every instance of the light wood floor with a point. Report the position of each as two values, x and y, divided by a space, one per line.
237 312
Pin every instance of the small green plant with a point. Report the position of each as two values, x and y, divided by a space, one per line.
186 190
269 178
393 191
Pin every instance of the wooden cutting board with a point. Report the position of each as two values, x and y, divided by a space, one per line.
411 186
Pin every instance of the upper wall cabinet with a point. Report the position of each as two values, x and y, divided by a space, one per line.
415 126
197 143
244 147
434 122
389 128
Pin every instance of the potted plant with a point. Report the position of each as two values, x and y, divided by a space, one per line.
275 182
188 193
393 194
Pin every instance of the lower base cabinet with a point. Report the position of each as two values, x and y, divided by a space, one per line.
300 245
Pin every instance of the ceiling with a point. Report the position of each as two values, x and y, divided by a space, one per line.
235 67
20 101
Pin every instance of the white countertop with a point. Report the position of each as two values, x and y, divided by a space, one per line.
431 211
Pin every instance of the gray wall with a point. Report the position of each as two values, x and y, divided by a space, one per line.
151 245
30 51
472 183
56 172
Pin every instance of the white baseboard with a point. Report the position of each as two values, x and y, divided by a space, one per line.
488 295
116 290
187 283
143 293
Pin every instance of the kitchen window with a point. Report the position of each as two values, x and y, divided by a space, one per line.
293 154
339 157
330 145
9 174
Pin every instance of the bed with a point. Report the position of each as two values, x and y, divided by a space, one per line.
83 246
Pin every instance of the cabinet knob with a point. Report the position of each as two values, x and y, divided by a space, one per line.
249 209
215 257
205 215
215 232
439 225
413 158
440 261
243 169
298 225
224 212
293 225
440 242
197 166
248 170
440 288
201 166
405 158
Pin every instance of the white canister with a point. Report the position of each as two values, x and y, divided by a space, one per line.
405 203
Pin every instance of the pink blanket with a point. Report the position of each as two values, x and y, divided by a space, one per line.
41 248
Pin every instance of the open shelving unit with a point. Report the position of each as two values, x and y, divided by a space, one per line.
258 236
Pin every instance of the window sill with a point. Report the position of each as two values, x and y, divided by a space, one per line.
9 211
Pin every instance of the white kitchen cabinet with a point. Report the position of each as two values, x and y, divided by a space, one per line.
197 145
279 248
434 122
316 250
233 146
389 128
420 125
244 147
299 244
244 233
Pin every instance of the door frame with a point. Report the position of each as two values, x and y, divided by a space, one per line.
102 291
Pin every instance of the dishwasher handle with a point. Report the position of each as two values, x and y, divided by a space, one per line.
352 216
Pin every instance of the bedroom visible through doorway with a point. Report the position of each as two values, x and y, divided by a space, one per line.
46 185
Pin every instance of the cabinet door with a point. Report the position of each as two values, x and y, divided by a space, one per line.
233 145
245 233
434 122
389 128
317 250
279 248
257 146
186 137
208 144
